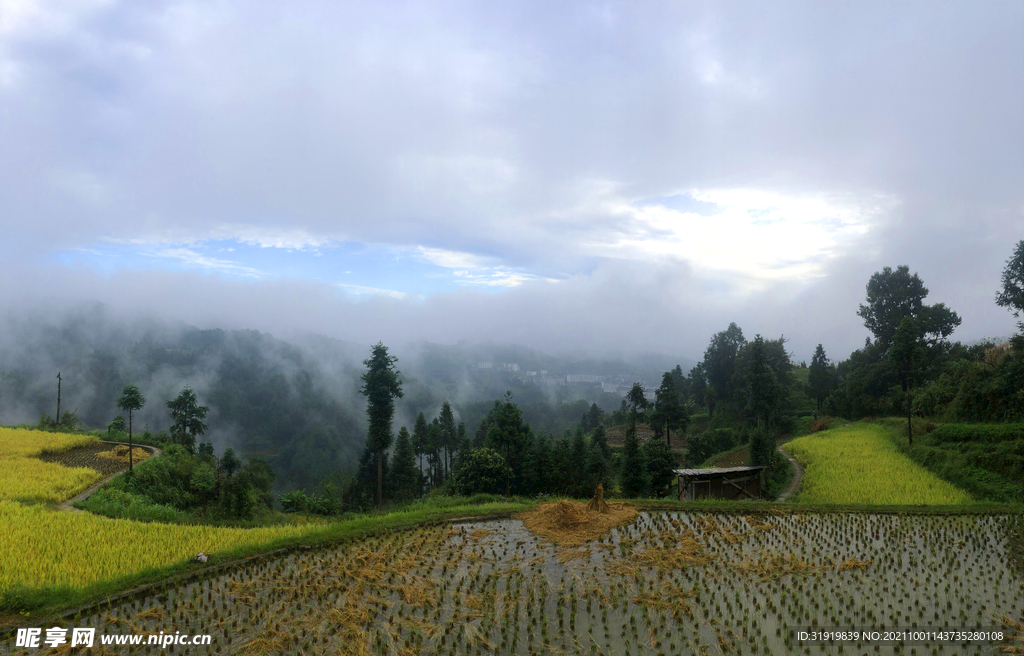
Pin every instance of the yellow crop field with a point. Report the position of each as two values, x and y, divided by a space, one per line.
23 477
32 480
860 464
17 442
46 547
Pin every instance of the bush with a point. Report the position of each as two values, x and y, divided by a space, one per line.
702 446
659 463
124 505
988 433
481 471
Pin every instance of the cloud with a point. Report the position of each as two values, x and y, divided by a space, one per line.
758 162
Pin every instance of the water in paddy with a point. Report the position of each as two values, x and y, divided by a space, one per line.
671 583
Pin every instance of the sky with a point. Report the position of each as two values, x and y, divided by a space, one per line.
600 178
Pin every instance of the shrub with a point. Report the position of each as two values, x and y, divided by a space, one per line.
481 471
988 433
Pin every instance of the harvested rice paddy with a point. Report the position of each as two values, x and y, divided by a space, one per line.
667 583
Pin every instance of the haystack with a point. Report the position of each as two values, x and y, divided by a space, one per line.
598 504
571 523
120 454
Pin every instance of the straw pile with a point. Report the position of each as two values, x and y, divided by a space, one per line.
120 454
570 524
598 504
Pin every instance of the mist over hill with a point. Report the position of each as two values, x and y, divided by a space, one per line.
296 402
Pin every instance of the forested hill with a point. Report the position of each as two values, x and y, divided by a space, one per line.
298 403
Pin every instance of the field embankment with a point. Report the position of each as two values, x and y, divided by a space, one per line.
860 464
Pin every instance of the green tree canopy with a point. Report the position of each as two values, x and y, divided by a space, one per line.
131 400
633 477
187 418
894 295
508 433
820 377
905 355
481 471
405 478
670 407
636 402
720 363
659 464
764 393
381 386
1011 296
446 422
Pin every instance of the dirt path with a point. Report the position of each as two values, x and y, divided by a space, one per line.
70 503
798 473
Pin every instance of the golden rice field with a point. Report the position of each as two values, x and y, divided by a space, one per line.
45 547
42 546
21 443
23 477
34 481
860 464
669 583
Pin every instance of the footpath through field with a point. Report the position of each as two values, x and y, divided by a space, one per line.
798 474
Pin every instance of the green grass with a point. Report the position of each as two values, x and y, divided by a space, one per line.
987 460
860 464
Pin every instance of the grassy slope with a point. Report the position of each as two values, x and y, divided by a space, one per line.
987 460
860 464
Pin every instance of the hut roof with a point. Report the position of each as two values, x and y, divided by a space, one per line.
713 471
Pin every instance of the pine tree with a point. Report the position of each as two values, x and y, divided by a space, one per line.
130 401
597 462
819 378
187 417
577 476
764 394
539 465
419 439
670 410
381 386
633 475
448 435
404 477
462 443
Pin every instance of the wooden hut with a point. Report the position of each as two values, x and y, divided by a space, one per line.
720 483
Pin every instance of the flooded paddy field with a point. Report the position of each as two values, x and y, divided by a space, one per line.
669 583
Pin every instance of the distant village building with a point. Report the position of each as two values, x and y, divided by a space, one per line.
583 378
485 365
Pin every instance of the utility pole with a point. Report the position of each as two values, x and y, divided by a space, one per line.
58 399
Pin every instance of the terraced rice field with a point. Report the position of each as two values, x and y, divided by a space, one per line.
670 583
26 478
89 456
859 464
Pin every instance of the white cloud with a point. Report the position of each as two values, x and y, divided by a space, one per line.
192 259
360 290
450 259
758 235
